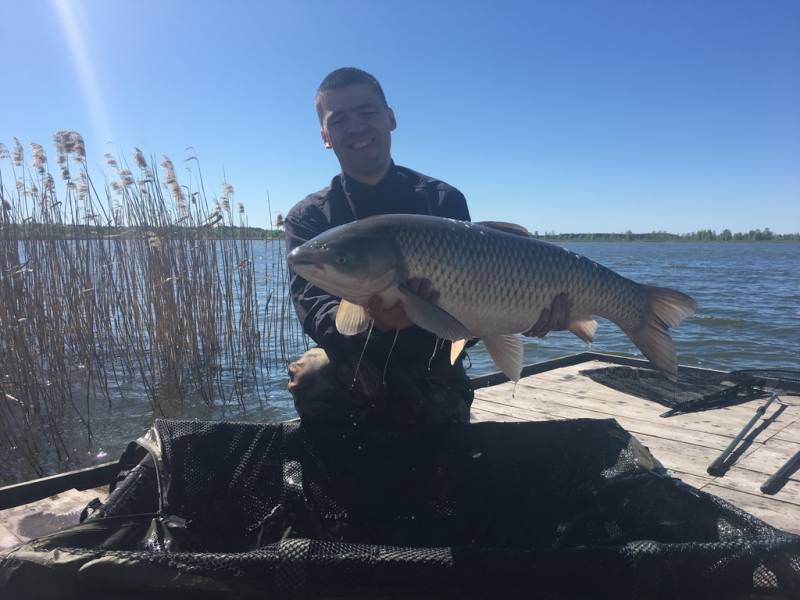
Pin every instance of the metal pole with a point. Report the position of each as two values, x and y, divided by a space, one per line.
716 468
788 467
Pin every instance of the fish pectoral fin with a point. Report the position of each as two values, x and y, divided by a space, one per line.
506 351
455 349
434 318
584 327
507 227
351 319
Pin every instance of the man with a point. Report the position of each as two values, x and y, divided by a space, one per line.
399 373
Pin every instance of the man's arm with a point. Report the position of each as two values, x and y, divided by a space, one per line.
315 308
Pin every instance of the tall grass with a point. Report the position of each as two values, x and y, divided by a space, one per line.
122 288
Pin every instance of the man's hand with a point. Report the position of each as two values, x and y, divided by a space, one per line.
555 318
395 317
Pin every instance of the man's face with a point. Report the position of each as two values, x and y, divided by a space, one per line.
358 127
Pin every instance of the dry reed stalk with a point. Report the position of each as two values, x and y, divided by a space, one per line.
88 311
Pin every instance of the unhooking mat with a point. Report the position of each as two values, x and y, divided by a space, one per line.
562 509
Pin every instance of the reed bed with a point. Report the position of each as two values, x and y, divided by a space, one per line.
139 287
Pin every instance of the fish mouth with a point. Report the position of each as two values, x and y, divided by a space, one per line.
300 258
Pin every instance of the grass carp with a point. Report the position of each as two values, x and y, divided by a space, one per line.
493 280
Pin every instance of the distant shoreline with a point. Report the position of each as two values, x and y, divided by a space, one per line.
41 231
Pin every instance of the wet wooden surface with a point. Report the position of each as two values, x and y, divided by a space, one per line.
21 523
685 444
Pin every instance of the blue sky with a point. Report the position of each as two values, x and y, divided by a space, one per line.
562 116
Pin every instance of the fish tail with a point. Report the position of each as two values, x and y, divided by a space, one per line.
664 308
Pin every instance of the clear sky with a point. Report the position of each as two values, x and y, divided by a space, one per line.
563 116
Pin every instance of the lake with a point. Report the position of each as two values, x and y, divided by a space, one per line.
748 316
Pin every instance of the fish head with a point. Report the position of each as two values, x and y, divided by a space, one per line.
348 262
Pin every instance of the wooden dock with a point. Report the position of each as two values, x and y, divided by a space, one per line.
686 444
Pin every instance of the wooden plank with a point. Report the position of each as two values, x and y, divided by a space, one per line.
721 421
478 415
693 480
47 515
778 514
663 427
581 385
561 403
7 538
585 384
790 433
694 460
81 479
771 457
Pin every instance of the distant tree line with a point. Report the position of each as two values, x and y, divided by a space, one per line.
703 235
66 231
44 231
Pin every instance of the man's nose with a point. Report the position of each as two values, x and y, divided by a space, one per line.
355 125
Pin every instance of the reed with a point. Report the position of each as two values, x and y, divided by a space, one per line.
121 289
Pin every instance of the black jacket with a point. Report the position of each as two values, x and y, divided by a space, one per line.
401 191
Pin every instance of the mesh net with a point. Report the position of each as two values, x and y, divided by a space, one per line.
552 509
695 390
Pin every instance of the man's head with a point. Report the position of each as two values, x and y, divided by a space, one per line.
356 122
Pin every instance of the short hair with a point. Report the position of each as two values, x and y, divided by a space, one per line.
344 77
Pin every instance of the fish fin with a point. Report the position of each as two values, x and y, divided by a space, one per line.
506 227
434 318
583 327
506 352
351 318
455 349
664 308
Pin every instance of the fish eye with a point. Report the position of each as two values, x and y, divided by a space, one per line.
341 259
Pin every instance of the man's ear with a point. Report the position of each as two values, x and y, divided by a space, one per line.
326 141
392 120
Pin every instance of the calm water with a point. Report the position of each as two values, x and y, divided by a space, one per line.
748 297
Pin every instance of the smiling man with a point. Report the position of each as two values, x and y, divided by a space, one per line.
420 385
400 373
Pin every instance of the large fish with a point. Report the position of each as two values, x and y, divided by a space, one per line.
493 281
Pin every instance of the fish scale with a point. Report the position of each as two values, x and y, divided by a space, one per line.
486 275
492 280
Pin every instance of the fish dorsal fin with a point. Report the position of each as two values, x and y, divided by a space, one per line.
506 352
351 319
432 317
455 349
506 227
583 327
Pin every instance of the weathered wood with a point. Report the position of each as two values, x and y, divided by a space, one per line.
773 512
662 428
44 516
578 393
685 444
81 479
790 433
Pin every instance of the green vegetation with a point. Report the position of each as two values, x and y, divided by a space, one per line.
703 235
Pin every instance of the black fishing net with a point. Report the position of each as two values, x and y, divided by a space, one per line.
547 510
696 389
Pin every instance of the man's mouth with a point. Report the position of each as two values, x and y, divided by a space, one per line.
361 144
